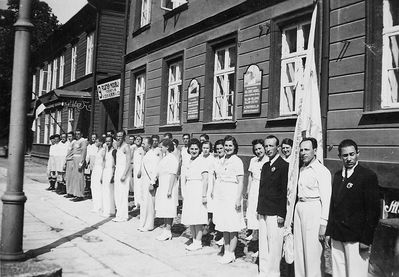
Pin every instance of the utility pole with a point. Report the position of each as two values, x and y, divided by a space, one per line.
14 197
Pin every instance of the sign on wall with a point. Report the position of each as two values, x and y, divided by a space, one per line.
193 100
109 90
252 95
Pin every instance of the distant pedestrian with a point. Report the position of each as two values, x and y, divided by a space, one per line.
122 178
166 198
228 192
108 178
195 182
79 147
354 213
97 165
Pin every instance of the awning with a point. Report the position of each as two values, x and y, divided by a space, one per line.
58 95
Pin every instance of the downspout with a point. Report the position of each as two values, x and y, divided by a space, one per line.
94 86
122 92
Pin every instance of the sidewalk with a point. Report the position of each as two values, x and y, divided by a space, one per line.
84 244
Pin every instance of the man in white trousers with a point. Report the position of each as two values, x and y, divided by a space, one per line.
122 178
311 212
272 201
354 213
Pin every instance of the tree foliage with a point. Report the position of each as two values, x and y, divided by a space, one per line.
45 22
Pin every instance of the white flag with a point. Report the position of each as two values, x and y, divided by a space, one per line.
308 123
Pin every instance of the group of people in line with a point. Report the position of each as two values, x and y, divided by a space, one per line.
340 212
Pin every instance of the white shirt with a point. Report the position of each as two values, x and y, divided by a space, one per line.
315 182
349 171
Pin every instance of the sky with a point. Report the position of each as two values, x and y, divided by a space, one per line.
63 9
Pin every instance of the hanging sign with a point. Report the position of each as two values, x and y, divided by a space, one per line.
109 90
252 95
193 100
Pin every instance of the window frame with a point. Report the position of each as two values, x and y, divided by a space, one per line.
89 53
74 55
46 128
175 84
145 10
33 86
58 121
52 123
71 119
55 74
49 77
41 81
139 92
62 71
38 129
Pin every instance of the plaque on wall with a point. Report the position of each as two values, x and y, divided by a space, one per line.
252 95
193 100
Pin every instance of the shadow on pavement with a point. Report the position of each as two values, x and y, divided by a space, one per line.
33 253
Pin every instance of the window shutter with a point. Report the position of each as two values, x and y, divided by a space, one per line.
137 15
275 70
164 94
208 88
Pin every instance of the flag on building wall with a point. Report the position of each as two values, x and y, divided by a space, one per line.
39 108
308 123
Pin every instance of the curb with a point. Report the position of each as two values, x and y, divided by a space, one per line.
30 269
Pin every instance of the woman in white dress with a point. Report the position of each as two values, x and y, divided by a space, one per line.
195 182
228 192
255 168
97 175
146 175
108 178
166 198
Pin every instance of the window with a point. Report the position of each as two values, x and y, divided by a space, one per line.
172 4
293 57
74 53
42 74
55 74
390 55
38 123
174 92
58 123
33 87
139 101
48 86
46 128
71 116
52 123
62 65
89 53
145 12
224 83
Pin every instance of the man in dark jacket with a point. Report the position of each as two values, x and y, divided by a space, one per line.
272 202
354 213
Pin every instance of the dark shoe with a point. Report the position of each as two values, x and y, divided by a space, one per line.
69 196
77 199
50 188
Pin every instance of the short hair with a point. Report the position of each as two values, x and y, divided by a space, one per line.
154 137
63 134
78 130
175 141
122 131
205 136
111 131
101 139
218 142
312 140
210 145
287 141
51 137
138 136
168 135
347 143
56 136
273 137
109 136
194 141
149 139
233 140
71 133
94 134
186 134
168 144
255 142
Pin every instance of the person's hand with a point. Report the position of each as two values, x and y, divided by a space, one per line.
151 187
322 233
139 174
204 200
364 247
327 242
123 178
245 195
238 205
280 221
169 195
212 195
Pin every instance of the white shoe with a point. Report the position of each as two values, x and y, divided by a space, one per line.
118 219
220 242
165 235
196 245
227 258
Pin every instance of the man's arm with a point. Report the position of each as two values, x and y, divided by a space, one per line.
371 196
127 152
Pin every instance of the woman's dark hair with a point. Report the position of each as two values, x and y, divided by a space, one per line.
168 144
101 139
218 142
210 145
234 141
255 142
175 141
287 141
192 142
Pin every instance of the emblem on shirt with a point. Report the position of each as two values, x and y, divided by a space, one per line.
349 185
273 169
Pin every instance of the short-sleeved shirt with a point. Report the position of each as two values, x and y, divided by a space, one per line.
255 166
229 169
168 165
195 168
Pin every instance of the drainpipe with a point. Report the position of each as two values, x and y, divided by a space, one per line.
125 37
14 197
94 86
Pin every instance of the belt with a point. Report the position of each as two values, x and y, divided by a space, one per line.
308 199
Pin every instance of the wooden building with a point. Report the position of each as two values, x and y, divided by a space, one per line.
83 53
185 64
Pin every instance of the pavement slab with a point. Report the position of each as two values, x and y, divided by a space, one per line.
83 243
